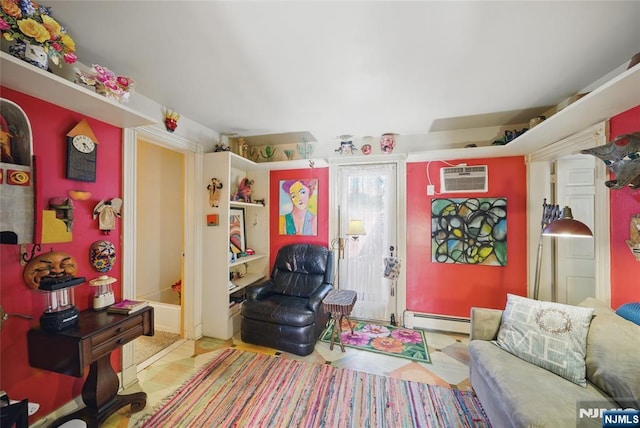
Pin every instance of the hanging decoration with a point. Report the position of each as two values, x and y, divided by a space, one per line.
622 157
171 120
215 190
106 212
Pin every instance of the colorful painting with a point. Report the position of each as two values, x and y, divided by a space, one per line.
298 213
469 231
236 230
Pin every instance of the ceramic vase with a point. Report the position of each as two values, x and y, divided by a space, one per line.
30 52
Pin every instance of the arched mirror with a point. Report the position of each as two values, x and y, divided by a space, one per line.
17 222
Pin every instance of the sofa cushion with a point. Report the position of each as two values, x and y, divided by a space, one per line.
279 309
613 354
550 335
515 393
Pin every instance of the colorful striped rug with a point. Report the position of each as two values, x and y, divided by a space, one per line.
244 389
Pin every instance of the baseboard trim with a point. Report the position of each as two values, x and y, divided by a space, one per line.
437 322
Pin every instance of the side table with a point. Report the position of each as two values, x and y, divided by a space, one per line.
339 303
90 343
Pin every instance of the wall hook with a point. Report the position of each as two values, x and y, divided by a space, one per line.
23 253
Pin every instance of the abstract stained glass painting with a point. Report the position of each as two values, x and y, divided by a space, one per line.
469 231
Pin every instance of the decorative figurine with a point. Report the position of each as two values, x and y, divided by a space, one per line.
346 145
171 120
622 158
366 149
106 211
222 147
214 192
304 149
269 153
243 148
244 191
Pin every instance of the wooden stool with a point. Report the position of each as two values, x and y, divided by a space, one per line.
338 303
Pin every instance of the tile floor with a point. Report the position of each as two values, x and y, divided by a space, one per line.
160 377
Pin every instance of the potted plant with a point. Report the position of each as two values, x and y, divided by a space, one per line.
37 36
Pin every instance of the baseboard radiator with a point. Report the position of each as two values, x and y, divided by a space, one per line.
436 322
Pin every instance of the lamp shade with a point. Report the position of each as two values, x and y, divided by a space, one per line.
567 226
356 227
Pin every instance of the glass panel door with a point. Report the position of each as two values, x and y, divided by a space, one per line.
368 193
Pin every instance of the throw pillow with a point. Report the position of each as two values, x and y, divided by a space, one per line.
550 335
613 359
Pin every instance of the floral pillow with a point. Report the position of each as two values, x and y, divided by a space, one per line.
550 335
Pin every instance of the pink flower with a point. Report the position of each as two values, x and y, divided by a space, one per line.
70 58
374 330
123 81
56 46
3 25
407 336
356 338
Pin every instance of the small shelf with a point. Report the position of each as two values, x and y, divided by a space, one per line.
246 280
247 259
28 79
245 204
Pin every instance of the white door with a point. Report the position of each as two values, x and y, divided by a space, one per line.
369 193
575 267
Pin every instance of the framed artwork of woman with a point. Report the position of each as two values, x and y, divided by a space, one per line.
298 207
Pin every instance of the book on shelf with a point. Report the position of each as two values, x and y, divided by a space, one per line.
127 306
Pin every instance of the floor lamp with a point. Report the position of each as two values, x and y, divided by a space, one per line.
355 229
557 223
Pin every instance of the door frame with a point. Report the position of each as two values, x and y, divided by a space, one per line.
193 153
540 185
401 212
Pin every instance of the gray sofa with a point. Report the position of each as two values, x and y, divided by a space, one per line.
515 393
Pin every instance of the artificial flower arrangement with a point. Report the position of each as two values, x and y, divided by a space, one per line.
25 21
106 82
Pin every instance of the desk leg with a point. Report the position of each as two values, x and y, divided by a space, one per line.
100 394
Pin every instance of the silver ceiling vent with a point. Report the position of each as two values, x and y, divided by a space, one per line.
459 179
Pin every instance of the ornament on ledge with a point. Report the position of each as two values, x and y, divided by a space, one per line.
171 120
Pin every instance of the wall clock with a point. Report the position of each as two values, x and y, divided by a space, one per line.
82 153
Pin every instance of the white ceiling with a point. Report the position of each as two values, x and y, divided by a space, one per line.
358 67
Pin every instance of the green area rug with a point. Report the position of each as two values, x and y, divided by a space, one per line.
382 339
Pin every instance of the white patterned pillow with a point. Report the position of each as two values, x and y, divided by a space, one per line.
550 335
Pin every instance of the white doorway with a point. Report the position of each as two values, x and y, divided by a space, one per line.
368 192
191 310
575 257
159 232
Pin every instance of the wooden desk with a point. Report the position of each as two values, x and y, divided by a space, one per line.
90 343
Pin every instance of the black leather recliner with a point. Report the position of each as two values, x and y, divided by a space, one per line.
285 312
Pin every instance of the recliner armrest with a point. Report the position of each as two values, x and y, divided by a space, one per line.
316 298
485 323
259 291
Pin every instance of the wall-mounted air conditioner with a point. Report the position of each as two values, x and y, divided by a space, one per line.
459 179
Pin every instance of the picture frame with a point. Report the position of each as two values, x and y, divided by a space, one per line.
237 237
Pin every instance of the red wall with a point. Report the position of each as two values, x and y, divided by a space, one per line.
625 270
452 289
276 241
50 124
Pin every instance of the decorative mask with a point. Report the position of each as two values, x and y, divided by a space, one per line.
102 256
387 143
171 120
55 265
